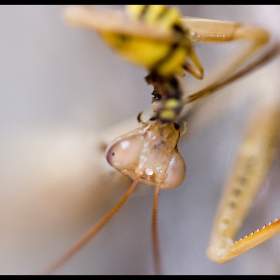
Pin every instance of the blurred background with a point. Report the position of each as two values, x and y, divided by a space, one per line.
59 88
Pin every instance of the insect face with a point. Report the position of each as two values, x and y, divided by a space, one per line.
149 153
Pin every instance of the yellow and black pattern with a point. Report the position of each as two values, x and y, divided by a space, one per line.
161 57
167 97
164 60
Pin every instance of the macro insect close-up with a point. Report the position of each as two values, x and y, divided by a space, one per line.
64 92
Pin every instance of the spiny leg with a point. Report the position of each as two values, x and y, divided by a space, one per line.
254 158
61 260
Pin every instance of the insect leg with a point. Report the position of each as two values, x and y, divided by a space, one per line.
102 20
254 158
213 31
265 57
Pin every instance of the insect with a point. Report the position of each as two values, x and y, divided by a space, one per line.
190 243
220 252
156 38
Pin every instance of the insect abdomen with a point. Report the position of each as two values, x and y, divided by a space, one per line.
163 58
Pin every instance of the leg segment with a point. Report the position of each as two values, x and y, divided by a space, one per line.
213 31
254 159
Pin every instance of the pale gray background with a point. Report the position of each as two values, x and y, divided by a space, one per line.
57 86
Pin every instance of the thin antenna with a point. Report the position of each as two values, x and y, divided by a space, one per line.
156 251
61 260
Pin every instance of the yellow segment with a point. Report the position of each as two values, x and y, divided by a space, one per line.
171 103
147 52
167 115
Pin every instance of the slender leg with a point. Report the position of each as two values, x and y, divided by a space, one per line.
214 31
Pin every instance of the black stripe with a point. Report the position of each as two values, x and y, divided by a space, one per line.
146 8
167 57
163 13
178 29
143 12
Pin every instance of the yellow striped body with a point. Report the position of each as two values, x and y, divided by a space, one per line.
163 58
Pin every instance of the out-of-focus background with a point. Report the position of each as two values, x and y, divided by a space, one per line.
60 87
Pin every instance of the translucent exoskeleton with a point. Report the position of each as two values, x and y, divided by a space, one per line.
150 154
208 191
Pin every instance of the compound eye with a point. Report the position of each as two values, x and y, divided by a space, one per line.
125 152
175 173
